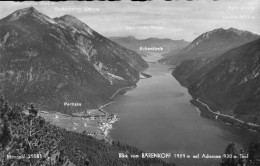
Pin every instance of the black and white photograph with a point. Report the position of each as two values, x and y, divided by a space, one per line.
130 83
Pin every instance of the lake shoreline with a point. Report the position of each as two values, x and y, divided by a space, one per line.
98 114
120 91
217 116
206 112
158 117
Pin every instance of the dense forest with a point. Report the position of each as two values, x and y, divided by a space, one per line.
27 140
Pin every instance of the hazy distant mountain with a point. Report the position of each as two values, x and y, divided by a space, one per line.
210 44
132 43
230 83
151 48
52 61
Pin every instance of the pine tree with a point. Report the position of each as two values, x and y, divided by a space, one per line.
230 154
253 154
5 132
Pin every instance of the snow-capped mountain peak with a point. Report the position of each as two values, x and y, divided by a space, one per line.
72 21
29 12
22 12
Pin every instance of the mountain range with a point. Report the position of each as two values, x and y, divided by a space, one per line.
51 61
157 47
230 83
210 44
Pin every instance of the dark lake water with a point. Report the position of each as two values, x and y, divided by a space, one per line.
157 117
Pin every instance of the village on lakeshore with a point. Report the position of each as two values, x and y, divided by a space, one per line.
93 122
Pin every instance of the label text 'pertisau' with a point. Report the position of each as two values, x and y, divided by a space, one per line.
72 104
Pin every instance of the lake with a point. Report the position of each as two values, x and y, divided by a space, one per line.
157 117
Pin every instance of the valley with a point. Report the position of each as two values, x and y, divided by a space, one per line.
151 49
86 89
157 116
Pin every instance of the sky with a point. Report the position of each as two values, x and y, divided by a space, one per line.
176 19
